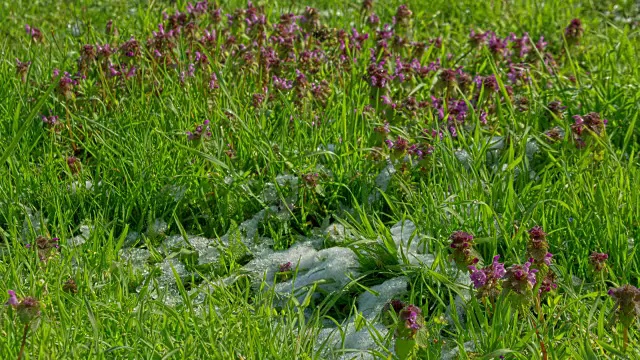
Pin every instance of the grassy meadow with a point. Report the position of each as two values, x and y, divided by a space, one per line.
319 180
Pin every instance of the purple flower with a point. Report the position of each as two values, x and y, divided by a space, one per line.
477 39
520 279
28 310
547 259
311 179
486 280
373 20
285 267
462 249
34 32
598 261
478 277
541 45
627 306
201 131
521 45
378 75
411 317
483 117
497 46
46 248
131 72
13 299
282 84
22 68
213 82
548 283
573 32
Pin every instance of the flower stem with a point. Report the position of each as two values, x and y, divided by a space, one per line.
625 337
24 341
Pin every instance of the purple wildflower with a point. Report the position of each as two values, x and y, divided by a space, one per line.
34 33
598 261
28 310
627 306
497 46
412 321
556 108
537 247
477 39
311 179
22 68
201 131
573 32
520 279
286 267
13 299
282 84
462 249
547 259
486 280
548 283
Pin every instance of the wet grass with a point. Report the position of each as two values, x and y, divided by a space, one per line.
126 137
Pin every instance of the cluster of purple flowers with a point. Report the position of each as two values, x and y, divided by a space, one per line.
45 247
627 304
28 308
487 280
589 125
463 253
201 131
598 261
293 56
410 317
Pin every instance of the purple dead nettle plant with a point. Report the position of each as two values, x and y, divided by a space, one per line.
626 309
486 280
557 109
311 179
411 320
598 261
28 310
519 282
202 131
34 33
74 164
284 271
586 127
22 68
462 252
541 259
573 32
45 247
538 246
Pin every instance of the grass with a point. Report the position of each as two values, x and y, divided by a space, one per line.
128 134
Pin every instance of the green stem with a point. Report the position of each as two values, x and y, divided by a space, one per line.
24 341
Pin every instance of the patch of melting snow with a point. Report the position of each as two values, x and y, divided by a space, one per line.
405 237
76 185
206 253
32 220
85 232
336 234
382 181
371 304
135 256
357 344
158 228
164 286
330 269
